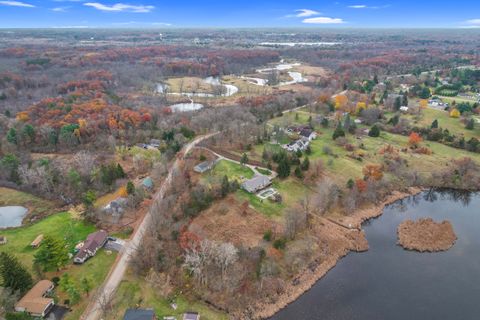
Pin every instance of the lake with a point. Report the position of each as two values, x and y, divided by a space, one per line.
388 282
12 216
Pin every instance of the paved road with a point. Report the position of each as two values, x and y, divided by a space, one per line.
106 292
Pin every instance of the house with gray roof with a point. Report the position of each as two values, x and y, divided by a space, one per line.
204 166
255 184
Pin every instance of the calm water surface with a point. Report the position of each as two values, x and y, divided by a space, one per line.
388 282
12 216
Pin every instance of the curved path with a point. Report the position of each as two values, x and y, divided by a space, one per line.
95 309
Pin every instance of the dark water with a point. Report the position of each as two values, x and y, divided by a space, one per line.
388 282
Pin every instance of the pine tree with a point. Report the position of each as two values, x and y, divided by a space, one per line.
225 187
374 131
119 173
338 132
305 164
13 274
283 168
470 124
52 255
298 173
12 136
434 124
244 159
130 187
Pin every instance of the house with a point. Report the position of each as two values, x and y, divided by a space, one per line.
255 184
155 143
298 145
94 242
3 240
139 314
116 206
147 183
191 316
204 166
308 133
35 302
37 242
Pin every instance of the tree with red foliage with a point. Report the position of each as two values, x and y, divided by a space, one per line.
414 139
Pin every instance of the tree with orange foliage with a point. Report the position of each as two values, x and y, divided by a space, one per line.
122 192
23 116
341 101
373 171
414 139
323 98
423 103
361 185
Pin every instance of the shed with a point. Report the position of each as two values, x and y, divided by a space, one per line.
191 316
37 242
147 183
139 314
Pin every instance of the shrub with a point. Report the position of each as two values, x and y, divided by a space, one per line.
280 244
267 236
374 132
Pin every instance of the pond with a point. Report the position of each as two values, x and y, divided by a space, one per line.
184 107
12 216
387 282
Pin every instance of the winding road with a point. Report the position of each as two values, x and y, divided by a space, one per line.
95 309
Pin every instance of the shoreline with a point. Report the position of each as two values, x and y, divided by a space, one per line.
307 278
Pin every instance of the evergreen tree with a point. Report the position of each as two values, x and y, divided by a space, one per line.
308 150
130 187
12 136
89 198
52 255
405 99
338 132
244 159
374 131
305 164
225 187
29 132
119 173
398 103
13 274
350 183
283 168
434 124
298 173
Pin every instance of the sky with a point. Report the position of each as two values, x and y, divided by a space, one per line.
240 13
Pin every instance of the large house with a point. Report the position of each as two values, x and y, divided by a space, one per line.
139 314
90 247
35 302
298 145
257 183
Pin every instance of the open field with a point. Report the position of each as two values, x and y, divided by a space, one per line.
36 206
136 292
454 125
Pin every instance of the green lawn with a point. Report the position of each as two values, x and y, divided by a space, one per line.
134 292
58 225
233 171
454 125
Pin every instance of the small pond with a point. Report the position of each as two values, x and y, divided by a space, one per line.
184 107
12 216
388 282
